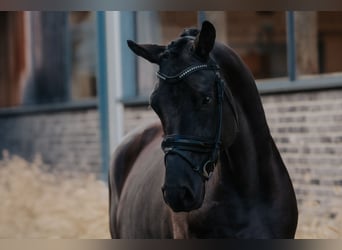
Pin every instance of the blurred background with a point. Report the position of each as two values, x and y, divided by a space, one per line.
70 89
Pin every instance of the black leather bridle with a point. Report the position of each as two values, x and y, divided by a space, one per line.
177 144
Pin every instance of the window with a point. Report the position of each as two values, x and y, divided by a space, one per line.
47 57
284 50
83 54
329 36
13 59
318 39
260 39
311 38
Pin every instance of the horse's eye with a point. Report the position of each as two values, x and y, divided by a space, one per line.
207 100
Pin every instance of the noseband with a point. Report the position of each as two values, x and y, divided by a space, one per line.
177 144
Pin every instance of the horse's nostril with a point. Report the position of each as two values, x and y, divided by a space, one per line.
181 194
187 194
179 198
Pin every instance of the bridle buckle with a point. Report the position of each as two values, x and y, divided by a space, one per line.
208 169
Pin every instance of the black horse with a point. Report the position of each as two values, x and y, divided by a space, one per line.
219 173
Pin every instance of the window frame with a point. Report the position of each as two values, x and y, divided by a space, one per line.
288 84
293 83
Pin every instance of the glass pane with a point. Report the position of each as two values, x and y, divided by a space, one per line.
12 60
260 40
83 54
318 43
47 57
258 37
330 41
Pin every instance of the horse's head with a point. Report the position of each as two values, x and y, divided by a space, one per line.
188 101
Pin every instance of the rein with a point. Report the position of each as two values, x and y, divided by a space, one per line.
177 144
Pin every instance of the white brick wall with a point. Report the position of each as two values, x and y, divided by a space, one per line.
134 117
307 128
65 140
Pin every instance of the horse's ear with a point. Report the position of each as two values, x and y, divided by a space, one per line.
150 52
205 40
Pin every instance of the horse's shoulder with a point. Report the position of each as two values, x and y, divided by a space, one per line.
128 150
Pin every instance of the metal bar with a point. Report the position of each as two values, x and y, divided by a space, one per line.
201 17
28 97
68 59
114 77
129 60
291 46
102 92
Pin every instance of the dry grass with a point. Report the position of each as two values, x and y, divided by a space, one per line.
315 223
39 204
35 203
320 216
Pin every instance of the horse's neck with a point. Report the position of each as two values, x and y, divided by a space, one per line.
252 161
247 165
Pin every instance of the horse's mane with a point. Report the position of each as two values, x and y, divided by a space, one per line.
241 82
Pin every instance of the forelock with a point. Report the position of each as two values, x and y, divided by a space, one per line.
190 32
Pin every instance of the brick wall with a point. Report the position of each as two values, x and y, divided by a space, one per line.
307 128
136 116
67 140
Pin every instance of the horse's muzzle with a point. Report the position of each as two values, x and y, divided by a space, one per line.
180 199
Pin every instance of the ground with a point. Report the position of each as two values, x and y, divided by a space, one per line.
36 203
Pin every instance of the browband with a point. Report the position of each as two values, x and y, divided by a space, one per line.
184 73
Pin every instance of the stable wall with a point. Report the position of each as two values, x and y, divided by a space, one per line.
307 128
65 138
